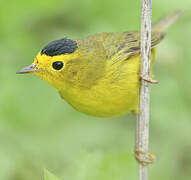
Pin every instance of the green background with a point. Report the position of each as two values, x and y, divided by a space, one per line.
39 130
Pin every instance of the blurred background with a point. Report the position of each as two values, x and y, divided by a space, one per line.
39 130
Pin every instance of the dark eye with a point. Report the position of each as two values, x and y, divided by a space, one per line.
58 65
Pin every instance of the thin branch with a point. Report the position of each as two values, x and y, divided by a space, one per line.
142 122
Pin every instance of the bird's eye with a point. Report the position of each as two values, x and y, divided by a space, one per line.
58 65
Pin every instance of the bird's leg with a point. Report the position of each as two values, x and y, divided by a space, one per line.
150 80
140 157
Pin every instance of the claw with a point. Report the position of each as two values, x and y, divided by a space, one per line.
140 157
149 80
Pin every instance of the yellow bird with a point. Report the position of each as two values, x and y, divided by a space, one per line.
98 75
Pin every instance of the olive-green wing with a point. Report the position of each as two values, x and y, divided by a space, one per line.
124 45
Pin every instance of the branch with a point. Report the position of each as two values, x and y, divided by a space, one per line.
142 122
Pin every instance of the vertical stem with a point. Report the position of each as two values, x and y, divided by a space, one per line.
142 121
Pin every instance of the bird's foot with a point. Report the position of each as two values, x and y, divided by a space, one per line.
149 80
141 157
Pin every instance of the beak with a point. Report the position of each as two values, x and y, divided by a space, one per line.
29 69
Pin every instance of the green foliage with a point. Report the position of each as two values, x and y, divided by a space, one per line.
49 176
97 165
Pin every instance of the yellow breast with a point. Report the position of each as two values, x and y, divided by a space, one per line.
115 94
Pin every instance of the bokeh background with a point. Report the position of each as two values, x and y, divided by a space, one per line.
39 130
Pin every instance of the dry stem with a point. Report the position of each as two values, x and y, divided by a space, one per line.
142 122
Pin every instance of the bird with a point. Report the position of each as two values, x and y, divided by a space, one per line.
100 74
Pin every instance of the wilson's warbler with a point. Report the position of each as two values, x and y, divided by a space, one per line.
98 75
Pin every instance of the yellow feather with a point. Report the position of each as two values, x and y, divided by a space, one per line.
99 76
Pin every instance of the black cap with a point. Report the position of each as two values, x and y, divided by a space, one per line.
61 46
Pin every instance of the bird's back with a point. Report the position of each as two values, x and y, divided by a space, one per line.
122 46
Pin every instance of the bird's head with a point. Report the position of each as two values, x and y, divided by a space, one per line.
67 62
53 62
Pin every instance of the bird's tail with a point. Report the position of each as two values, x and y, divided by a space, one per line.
163 24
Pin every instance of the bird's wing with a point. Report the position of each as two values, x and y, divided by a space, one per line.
122 46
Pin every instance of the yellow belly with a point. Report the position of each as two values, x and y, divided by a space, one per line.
116 93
